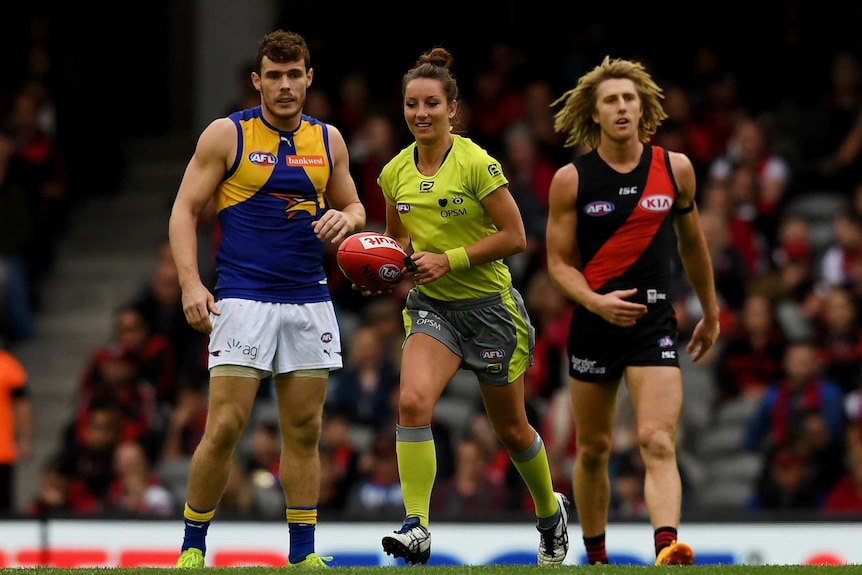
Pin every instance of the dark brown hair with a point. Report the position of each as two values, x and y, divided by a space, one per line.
434 65
281 46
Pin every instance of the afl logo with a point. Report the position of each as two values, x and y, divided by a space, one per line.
389 272
402 208
598 208
657 203
493 354
262 158
326 337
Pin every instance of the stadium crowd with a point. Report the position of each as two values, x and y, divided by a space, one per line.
788 273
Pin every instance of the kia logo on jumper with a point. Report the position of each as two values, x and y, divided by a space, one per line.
425 187
659 203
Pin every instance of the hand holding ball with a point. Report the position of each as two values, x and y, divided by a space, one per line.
372 261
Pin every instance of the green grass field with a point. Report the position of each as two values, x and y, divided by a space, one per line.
480 570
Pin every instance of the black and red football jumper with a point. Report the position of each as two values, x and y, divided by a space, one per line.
626 240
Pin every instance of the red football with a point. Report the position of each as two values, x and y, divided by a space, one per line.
371 260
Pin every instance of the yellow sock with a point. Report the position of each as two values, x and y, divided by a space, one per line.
417 466
534 468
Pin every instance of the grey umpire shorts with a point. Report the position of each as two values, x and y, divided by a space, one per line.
493 335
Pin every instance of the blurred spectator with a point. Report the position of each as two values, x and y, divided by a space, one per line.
750 358
237 500
153 352
717 98
383 314
786 483
682 132
749 146
160 300
333 491
317 104
838 336
121 371
39 164
264 454
793 279
814 437
627 480
729 268
499 471
354 103
846 496
557 429
186 423
377 492
247 95
87 457
261 462
339 459
364 386
136 489
788 400
530 172
550 313
844 251
832 139
373 144
466 491
52 493
16 234
496 106
16 425
538 121
734 200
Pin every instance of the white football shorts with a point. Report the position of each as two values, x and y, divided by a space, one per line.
275 338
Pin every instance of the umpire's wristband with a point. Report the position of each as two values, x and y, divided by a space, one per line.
458 259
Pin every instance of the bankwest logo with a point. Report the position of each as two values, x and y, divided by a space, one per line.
303 161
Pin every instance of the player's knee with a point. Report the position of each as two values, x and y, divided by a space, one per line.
415 407
657 444
224 432
303 434
594 452
515 437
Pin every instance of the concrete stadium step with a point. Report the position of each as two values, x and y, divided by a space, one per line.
103 260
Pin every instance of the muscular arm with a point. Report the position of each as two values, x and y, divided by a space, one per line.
695 257
203 173
347 214
564 258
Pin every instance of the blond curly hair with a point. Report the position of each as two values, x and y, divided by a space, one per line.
579 103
